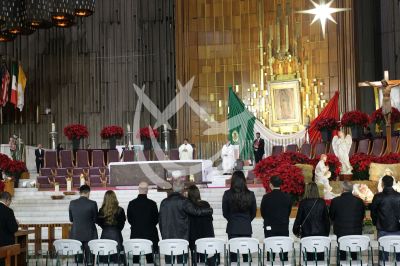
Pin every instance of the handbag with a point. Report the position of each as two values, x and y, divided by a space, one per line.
300 231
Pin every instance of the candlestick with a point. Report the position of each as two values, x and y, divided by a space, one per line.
69 185
82 180
278 37
53 127
56 188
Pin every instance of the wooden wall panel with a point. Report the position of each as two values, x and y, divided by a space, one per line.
85 73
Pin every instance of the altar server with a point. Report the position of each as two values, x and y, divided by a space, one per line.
186 151
228 157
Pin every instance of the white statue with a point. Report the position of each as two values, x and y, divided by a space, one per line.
186 151
228 157
396 185
341 147
322 175
363 192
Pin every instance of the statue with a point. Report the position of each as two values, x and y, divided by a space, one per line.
363 192
396 185
322 175
386 101
228 157
341 147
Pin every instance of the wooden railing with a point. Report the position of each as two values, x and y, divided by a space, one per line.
7 252
38 240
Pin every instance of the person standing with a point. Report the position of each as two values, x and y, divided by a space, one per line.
111 219
83 216
239 209
185 151
259 148
275 210
228 157
39 154
142 215
8 223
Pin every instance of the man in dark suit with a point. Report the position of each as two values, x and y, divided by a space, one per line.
8 223
258 146
39 154
83 215
347 214
142 215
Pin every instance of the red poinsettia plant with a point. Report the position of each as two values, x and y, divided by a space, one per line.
15 168
76 131
148 132
361 163
377 116
4 161
354 118
109 132
328 123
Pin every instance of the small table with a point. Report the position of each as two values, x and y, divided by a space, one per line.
21 238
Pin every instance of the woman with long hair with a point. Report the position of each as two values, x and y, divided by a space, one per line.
200 226
239 209
111 218
312 217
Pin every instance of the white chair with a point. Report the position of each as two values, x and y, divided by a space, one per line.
244 246
315 244
279 245
174 247
137 247
209 246
103 247
357 244
67 247
391 245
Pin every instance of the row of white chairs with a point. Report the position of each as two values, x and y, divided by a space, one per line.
273 245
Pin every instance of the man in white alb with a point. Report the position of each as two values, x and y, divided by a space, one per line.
185 151
228 157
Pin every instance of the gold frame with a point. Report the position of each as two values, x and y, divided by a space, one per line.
293 85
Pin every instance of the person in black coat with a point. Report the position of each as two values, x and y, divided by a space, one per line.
312 216
39 154
259 148
8 223
200 226
239 209
83 215
142 215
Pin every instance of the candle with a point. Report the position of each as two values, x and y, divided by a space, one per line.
386 74
128 127
287 34
165 127
69 185
83 181
237 88
57 188
53 127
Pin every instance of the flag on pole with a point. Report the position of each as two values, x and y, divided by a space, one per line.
5 82
21 88
14 84
241 126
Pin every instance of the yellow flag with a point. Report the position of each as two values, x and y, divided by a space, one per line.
21 88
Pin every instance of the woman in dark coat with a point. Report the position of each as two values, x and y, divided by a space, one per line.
200 226
312 216
111 218
239 209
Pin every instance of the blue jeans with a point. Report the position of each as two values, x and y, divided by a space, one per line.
384 256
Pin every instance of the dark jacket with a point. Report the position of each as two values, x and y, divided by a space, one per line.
239 222
261 147
174 216
200 226
347 214
142 215
385 210
275 210
83 215
39 155
112 230
317 223
8 226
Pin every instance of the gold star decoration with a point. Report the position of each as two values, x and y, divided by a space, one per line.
323 11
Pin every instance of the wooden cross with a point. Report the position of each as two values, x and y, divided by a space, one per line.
379 85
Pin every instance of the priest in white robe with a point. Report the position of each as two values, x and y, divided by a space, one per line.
228 157
341 147
186 151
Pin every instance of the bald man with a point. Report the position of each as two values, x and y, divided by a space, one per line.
142 215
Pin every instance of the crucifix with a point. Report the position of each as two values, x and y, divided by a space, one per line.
386 85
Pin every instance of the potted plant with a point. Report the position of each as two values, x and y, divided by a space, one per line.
326 126
14 170
112 133
356 120
76 132
146 134
378 119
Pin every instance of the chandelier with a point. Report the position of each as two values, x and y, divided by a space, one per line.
63 13
38 14
16 15
84 8
3 11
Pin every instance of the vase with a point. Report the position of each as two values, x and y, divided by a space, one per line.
146 144
112 142
326 134
356 131
76 143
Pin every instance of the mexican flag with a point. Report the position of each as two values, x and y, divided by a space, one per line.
241 126
21 88
14 84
